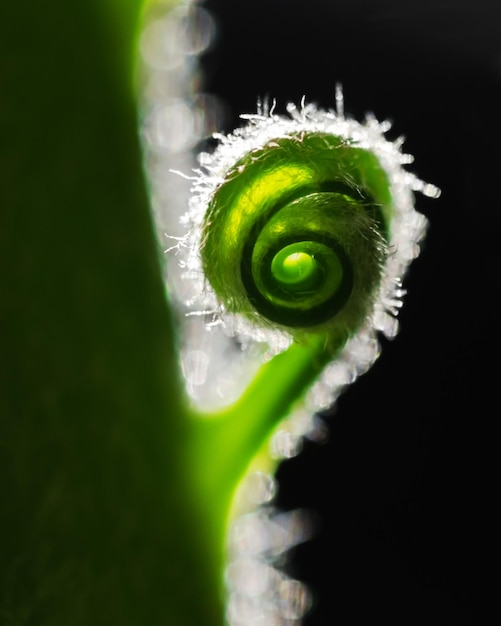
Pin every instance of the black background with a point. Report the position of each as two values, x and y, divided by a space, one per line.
407 487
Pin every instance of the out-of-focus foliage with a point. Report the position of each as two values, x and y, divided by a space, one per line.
98 522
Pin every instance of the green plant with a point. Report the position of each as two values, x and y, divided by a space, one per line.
98 523
117 494
303 228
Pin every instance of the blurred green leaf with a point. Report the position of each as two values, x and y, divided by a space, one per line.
98 524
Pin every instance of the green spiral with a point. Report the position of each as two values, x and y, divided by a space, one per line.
296 235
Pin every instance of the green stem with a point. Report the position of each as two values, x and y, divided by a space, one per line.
242 429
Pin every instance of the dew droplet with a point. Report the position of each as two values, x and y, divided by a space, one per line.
285 445
194 365
260 487
294 599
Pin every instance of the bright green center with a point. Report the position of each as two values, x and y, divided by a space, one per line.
295 269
